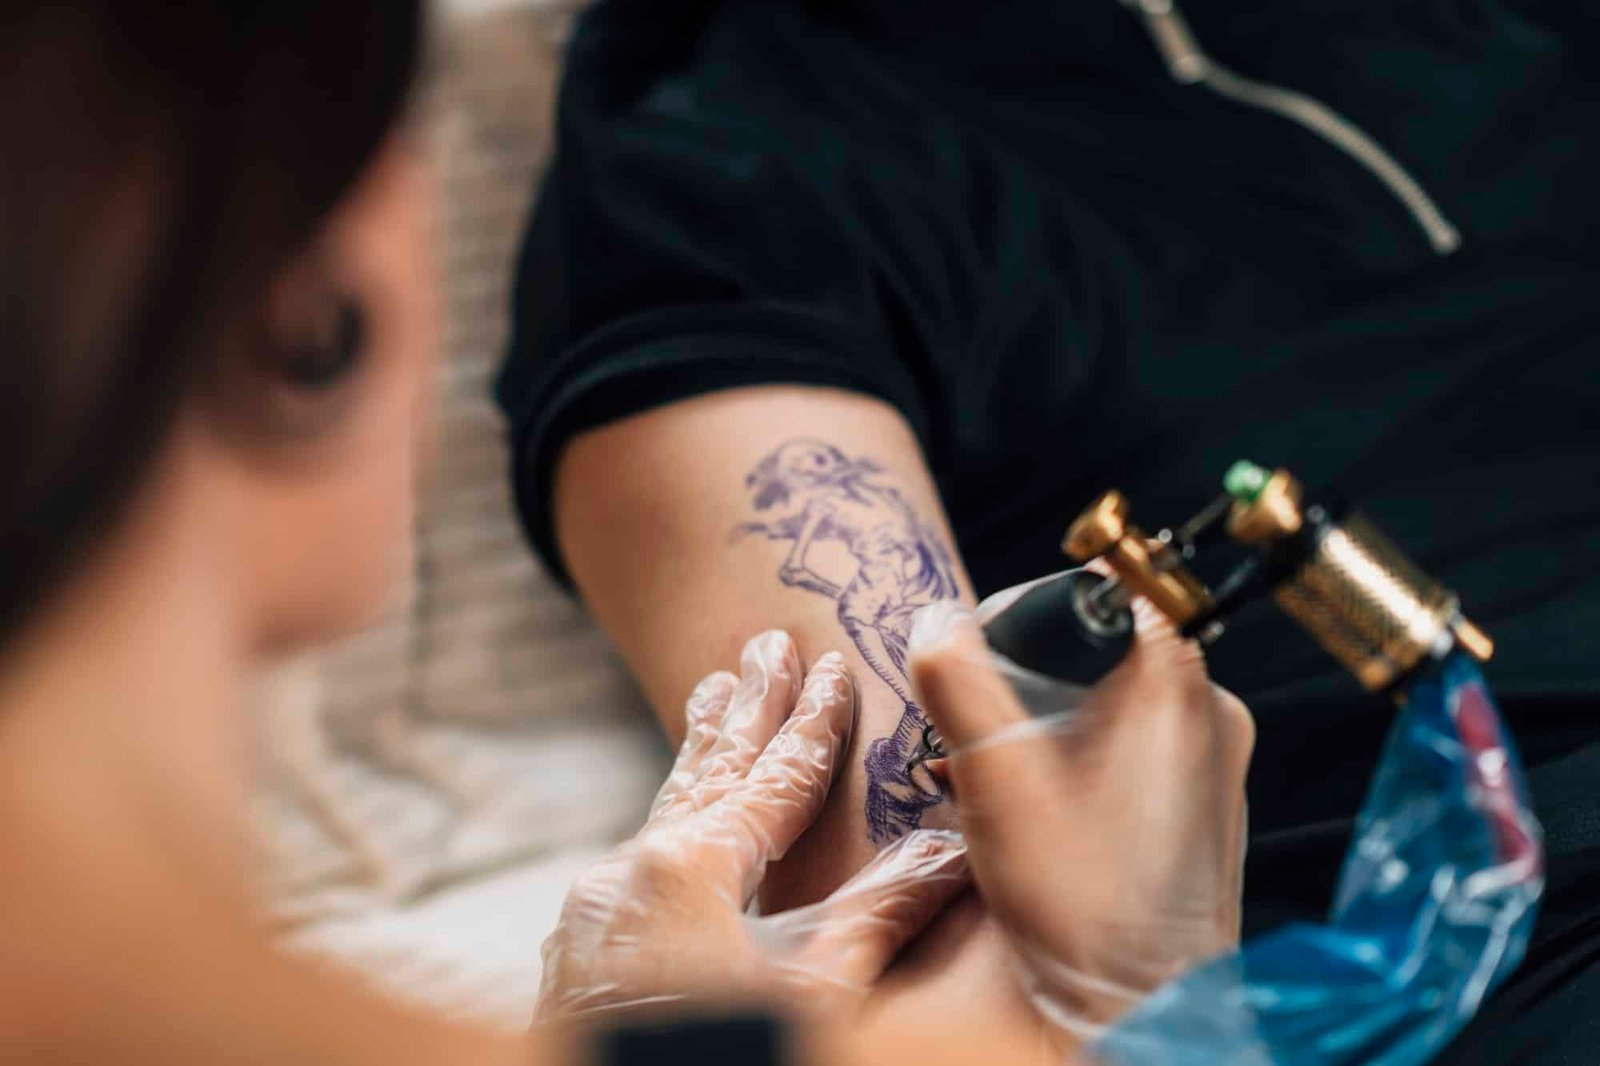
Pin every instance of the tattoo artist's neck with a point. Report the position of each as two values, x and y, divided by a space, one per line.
119 708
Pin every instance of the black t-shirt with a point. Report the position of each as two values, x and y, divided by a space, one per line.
1070 272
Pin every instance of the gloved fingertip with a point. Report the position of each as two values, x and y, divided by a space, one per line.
827 702
829 682
934 843
1156 634
769 655
1151 626
832 660
920 854
710 696
940 624
955 681
1150 622
713 684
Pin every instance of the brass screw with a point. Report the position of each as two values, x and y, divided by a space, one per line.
1098 528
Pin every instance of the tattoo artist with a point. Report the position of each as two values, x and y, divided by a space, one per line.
217 350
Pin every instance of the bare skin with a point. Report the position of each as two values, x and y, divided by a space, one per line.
644 510
123 871
896 565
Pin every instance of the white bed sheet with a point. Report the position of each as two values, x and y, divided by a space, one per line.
471 951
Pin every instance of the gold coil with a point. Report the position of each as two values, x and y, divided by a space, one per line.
1368 605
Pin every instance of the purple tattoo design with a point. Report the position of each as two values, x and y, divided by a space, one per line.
853 538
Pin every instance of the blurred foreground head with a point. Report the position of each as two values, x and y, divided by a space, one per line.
214 297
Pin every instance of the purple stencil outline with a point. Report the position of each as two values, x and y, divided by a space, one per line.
821 494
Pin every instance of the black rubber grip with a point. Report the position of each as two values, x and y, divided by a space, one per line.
749 1039
1050 631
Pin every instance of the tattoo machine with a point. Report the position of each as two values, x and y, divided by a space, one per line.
1441 882
1326 566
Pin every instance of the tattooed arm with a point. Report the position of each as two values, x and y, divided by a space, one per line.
689 527
794 572
692 526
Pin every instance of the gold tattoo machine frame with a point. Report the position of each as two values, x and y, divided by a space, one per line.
1327 567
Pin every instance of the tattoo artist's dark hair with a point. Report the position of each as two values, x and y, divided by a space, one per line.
159 163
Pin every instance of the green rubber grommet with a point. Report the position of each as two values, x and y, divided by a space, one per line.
1245 480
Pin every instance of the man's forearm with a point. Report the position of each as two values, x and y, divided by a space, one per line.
690 527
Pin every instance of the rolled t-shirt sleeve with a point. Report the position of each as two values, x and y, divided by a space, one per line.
687 238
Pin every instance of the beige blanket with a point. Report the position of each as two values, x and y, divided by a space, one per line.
455 759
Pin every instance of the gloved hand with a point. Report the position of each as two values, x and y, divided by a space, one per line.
1108 834
663 917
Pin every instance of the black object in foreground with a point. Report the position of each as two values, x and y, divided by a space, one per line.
1059 628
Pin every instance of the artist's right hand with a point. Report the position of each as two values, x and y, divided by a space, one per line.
663 918
1108 839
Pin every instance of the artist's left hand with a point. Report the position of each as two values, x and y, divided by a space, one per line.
663 918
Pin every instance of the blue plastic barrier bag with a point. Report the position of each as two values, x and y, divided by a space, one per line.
1434 907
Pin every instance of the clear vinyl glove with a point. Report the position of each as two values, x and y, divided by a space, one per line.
1106 826
664 917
